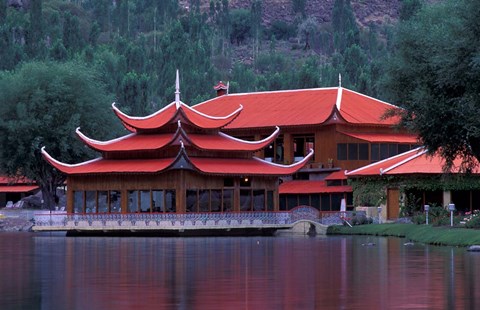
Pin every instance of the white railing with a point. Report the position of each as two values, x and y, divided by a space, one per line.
114 221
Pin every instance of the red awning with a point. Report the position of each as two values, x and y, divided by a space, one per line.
18 188
382 137
311 187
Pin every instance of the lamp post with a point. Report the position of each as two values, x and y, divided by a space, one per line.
451 207
426 207
379 209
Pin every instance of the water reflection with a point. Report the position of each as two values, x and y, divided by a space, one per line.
54 272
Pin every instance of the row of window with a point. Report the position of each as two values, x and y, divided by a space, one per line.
378 151
321 202
210 200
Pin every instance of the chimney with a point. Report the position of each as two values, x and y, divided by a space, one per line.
221 89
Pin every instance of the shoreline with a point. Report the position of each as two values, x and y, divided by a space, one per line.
427 234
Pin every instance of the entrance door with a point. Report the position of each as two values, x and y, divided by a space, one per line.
393 203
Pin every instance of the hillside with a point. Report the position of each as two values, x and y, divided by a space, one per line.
366 11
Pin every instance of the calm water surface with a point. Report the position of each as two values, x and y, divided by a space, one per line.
55 272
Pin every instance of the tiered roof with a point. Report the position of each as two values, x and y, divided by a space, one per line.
301 107
16 185
193 136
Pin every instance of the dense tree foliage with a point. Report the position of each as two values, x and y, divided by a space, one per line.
435 75
42 105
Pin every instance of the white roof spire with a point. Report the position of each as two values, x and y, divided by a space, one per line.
339 80
177 90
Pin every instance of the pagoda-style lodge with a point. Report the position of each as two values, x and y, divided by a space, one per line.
176 160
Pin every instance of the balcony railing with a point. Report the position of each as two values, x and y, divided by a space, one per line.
57 220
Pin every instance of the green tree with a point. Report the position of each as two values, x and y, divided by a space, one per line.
409 8
42 104
307 30
345 29
241 25
435 75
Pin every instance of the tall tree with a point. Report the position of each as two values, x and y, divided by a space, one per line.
435 75
42 104
35 31
345 29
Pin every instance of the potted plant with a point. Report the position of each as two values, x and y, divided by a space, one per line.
330 163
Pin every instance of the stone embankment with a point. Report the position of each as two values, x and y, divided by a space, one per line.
16 220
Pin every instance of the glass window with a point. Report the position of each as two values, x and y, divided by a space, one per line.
292 201
375 151
215 200
78 202
270 201
227 200
259 200
192 200
102 202
204 200
158 202
336 201
363 151
315 201
342 151
91 201
132 201
392 150
352 151
383 151
402 148
115 201
282 203
304 200
245 200
170 201
325 201
145 201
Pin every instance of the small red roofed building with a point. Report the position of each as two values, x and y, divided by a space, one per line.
421 176
14 189
176 160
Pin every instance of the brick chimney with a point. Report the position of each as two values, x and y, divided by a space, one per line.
221 89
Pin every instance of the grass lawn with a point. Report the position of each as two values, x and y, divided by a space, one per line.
418 233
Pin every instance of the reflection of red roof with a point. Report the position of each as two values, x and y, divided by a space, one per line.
415 161
173 113
311 187
381 137
18 188
298 107
337 175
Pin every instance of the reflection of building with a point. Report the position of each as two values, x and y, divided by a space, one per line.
12 190
175 160
346 129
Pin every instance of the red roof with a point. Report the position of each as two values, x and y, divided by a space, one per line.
311 187
140 142
172 113
415 161
18 188
299 107
337 175
381 137
228 166
220 85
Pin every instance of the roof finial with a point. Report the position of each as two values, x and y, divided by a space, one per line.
339 80
228 86
177 89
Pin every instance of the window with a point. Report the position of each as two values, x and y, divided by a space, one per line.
215 200
269 200
245 182
245 200
259 200
375 151
78 202
352 151
91 201
115 201
145 201
170 201
158 203
228 182
302 146
227 200
342 151
192 201
132 201
204 200
274 152
363 151
102 201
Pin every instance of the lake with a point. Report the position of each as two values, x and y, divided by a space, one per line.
51 271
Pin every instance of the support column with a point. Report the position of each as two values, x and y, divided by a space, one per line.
180 194
69 200
447 198
288 148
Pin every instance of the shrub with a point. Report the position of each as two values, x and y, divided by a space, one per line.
360 220
419 219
